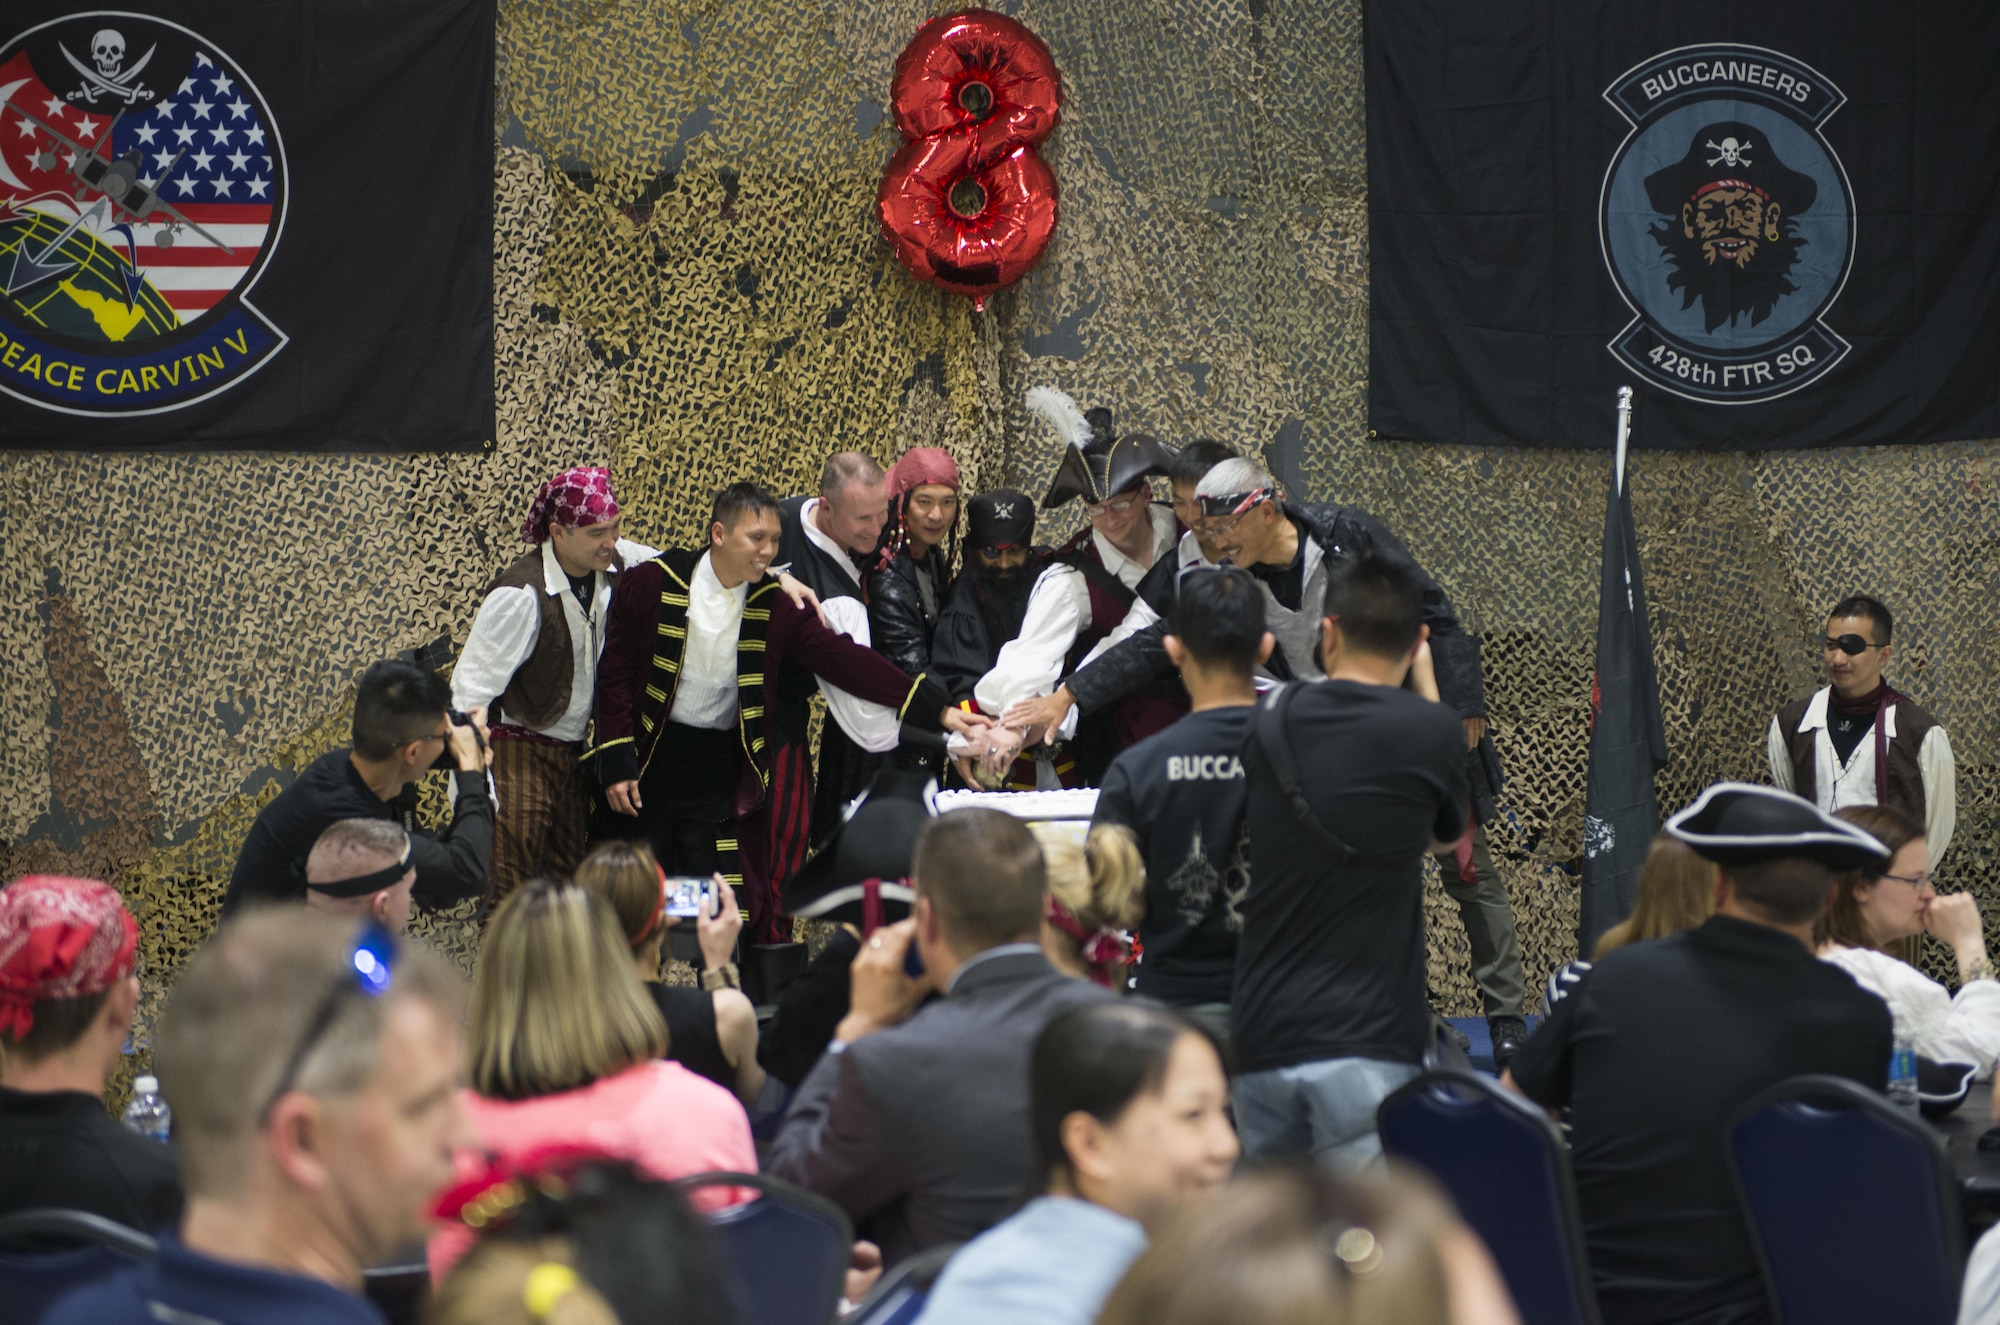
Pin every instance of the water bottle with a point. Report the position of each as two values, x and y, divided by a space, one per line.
1903 1073
148 1114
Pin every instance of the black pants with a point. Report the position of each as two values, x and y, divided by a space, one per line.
687 796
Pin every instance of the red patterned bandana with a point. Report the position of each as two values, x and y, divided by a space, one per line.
59 938
574 499
921 465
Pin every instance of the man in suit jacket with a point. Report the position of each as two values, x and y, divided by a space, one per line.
916 1120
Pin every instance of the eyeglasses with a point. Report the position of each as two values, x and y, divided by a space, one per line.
1215 526
369 971
444 736
1917 881
1851 645
1120 504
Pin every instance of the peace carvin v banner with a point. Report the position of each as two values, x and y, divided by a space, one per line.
230 225
1779 223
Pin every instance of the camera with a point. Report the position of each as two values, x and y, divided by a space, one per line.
686 897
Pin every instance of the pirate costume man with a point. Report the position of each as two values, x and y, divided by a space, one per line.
1294 588
982 621
909 582
690 708
1857 741
1090 583
859 736
531 658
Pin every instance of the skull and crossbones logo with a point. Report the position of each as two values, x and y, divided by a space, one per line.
1003 510
106 73
1729 152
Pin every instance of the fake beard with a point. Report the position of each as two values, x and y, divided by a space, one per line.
1003 601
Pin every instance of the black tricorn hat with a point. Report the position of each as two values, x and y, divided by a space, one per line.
1730 154
1098 470
877 839
1736 823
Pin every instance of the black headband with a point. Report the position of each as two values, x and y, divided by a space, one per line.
361 885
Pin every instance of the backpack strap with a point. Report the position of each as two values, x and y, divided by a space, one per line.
1274 745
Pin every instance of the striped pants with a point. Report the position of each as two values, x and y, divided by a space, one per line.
544 817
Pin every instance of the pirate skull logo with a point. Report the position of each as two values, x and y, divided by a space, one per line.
107 50
1729 152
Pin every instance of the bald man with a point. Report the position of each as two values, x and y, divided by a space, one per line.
362 867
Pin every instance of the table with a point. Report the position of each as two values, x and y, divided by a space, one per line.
1978 1171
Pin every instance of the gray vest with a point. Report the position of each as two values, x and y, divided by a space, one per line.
1298 631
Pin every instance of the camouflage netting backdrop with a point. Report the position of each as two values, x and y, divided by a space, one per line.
691 287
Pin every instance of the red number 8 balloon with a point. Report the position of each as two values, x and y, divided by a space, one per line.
966 203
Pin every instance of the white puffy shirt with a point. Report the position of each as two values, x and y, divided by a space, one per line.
1946 1027
705 694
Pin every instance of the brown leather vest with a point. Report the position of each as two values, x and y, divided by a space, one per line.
539 692
1906 778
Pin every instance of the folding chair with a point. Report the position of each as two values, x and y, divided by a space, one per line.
898 1297
1852 1206
85 1248
1507 1170
790 1249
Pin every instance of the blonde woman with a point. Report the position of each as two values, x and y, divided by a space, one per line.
711 1031
1097 891
1676 892
564 1048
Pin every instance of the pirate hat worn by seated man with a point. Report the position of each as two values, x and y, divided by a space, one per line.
861 874
1730 155
1096 465
1736 823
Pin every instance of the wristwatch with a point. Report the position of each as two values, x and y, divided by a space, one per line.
725 976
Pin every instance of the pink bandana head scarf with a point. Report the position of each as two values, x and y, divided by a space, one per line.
59 938
574 499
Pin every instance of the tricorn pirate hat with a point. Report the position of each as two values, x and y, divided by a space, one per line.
868 852
1096 465
1736 823
1730 154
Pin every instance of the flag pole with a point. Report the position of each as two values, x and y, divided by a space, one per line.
1624 434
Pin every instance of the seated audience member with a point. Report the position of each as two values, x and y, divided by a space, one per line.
402 724
1875 907
1183 793
1676 892
67 992
1096 893
580 1240
1330 1014
1665 1040
362 867
311 1070
564 1047
711 1031
915 1121
1289 1248
1130 1110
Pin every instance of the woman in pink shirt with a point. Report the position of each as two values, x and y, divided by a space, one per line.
564 1048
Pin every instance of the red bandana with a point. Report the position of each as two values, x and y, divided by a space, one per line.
59 938
1105 951
921 465
574 499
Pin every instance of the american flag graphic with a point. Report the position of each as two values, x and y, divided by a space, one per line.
204 150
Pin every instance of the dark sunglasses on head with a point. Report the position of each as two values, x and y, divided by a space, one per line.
1851 645
368 972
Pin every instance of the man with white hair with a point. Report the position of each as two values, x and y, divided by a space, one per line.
361 867
1290 547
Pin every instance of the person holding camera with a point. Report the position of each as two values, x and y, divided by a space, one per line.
404 726
532 659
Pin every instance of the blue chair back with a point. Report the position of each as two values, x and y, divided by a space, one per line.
1506 1168
898 1297
1852 1206
32 1281
789 1249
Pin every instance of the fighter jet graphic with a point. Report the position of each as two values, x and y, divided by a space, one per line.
116 181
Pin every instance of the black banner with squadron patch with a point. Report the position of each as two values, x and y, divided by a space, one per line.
1779 223
229 226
